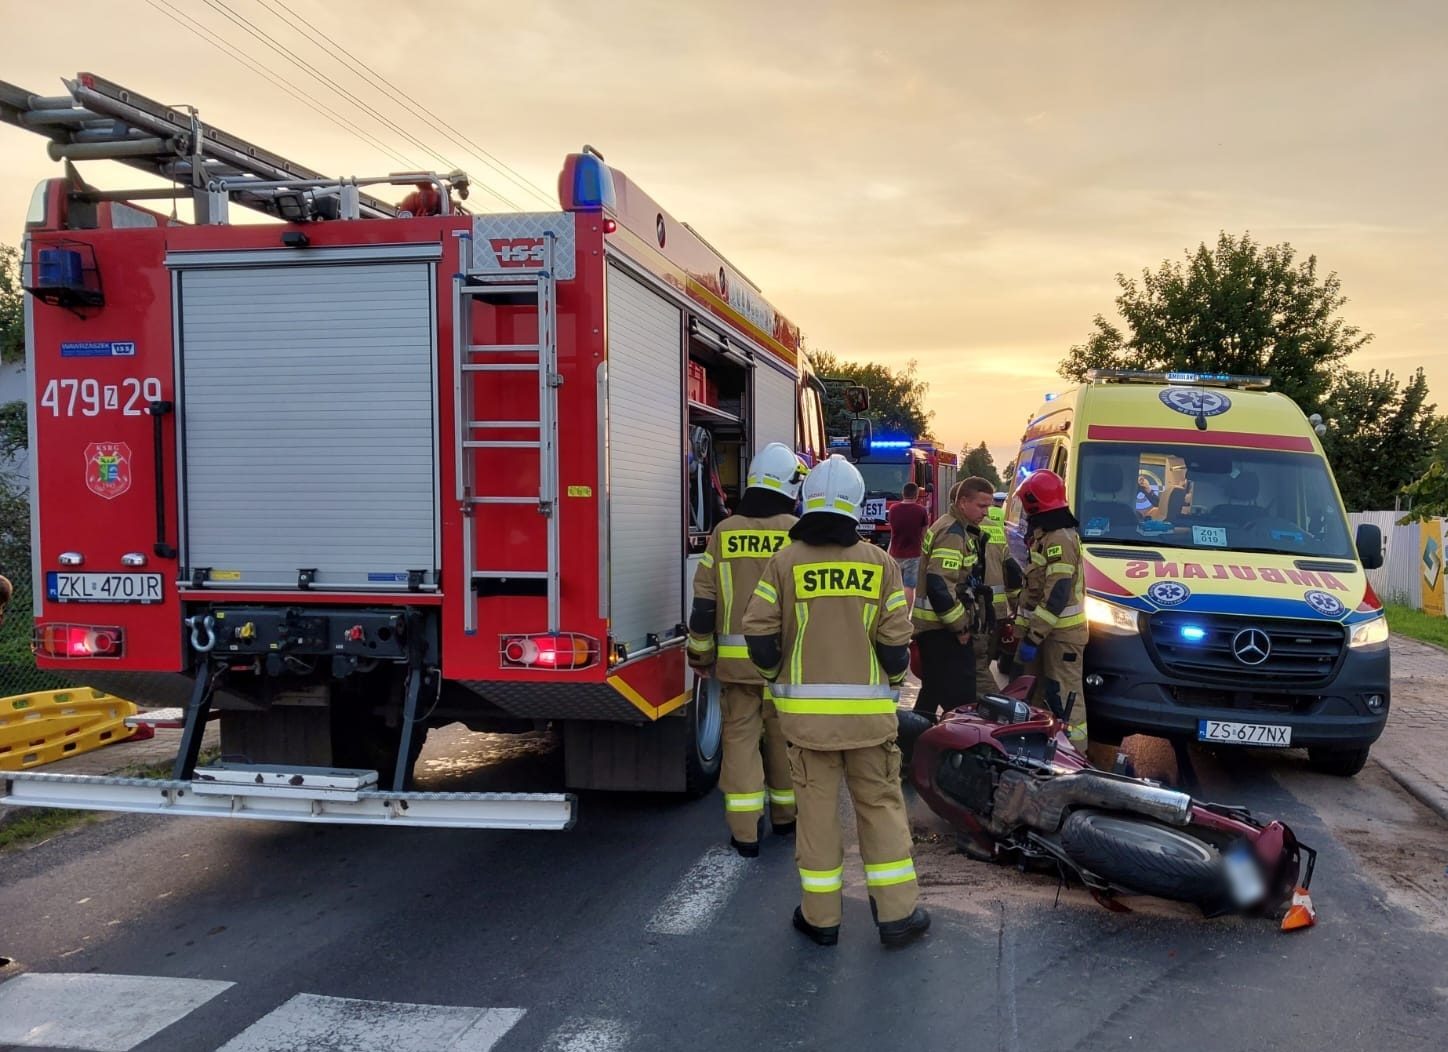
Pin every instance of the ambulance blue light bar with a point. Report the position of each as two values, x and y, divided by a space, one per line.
891 443
1142 376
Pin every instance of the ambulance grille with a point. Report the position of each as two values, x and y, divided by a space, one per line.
1203 646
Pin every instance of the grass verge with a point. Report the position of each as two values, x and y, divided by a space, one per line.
1406 621
26 826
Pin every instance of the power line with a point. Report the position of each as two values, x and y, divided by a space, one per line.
411 104
277 80
260 34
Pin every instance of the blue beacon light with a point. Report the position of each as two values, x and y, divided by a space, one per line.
1193 633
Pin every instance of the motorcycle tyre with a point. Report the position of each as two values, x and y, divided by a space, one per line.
1140 855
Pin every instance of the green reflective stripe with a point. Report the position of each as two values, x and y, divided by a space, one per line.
835 706
765 481
999 603
884 874
950 559
867 616
1038 559
697 645
926 613
768 673
744 801
845 506
766 591
814 503
707 560
1045 616
899 677
783 797
831 690
1071 622
726 594
727 650
796 659
895 602
822 880
1060 568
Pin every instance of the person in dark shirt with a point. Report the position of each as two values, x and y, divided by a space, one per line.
908 520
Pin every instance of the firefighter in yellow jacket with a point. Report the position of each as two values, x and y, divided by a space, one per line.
732 564
1051 625
1003 577
945 607
828 626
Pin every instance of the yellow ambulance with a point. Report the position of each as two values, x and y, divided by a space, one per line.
1225 592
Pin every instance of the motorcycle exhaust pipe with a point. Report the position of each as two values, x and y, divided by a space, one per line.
1042 804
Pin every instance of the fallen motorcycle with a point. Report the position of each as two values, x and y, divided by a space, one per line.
1006 776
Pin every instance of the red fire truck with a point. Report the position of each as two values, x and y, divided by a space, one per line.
356 473
890 464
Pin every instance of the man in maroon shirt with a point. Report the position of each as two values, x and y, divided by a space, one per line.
908 521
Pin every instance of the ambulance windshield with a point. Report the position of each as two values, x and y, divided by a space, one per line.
1185 496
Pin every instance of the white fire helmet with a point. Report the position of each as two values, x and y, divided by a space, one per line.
777 468
834 486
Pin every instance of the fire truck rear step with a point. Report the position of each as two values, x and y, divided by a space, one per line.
325 795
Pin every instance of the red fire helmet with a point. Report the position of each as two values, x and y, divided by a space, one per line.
1042 491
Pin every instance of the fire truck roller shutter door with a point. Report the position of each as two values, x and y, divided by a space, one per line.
774 406
645 447
309 390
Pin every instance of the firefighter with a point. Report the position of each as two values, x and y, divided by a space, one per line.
829 627
730 568
1002 575
949 558
1051 623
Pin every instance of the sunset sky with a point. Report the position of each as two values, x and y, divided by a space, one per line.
953 183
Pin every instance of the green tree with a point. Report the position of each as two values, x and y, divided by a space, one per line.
12 307
978 461
1381 435
1428 495
897 396
1237 308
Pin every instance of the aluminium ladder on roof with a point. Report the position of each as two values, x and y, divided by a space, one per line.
538 287
101 120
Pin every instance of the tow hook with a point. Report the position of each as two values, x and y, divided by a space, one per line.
203 628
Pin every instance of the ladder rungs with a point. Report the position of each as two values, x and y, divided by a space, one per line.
535 424
503 348
500 290
504 500
537 575
501 445
508 367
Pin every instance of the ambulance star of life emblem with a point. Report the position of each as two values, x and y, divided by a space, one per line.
108 469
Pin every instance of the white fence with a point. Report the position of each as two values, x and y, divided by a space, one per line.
1399 579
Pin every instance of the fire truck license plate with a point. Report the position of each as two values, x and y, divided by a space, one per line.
103 587
1269 734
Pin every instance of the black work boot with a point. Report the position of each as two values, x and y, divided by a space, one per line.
782 828
899 932
749 848
824 936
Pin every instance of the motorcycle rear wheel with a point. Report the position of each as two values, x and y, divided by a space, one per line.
1140 855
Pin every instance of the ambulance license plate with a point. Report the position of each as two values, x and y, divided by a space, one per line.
1266 734
103 587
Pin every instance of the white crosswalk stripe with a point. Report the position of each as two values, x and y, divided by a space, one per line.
96 1012
589 1035
312 1023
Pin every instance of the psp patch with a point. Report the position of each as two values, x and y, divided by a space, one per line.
1324 603
1168 593
1193 401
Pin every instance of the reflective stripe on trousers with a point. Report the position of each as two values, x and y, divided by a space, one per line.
822 880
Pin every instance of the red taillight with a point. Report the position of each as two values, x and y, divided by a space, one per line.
78 641
566 650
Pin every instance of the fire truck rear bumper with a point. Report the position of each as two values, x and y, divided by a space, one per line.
298 795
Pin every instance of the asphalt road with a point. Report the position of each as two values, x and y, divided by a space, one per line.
636 931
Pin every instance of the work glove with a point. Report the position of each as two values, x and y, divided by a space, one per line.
1026 653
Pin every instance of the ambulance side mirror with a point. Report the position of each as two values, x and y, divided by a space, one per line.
1370 546
857 399
862 434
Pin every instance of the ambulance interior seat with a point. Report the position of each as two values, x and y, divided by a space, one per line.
1241 506
1176 502
1105 498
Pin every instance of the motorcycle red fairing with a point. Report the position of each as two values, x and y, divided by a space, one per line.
1006 776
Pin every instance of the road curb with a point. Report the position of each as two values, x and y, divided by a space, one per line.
1416 787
